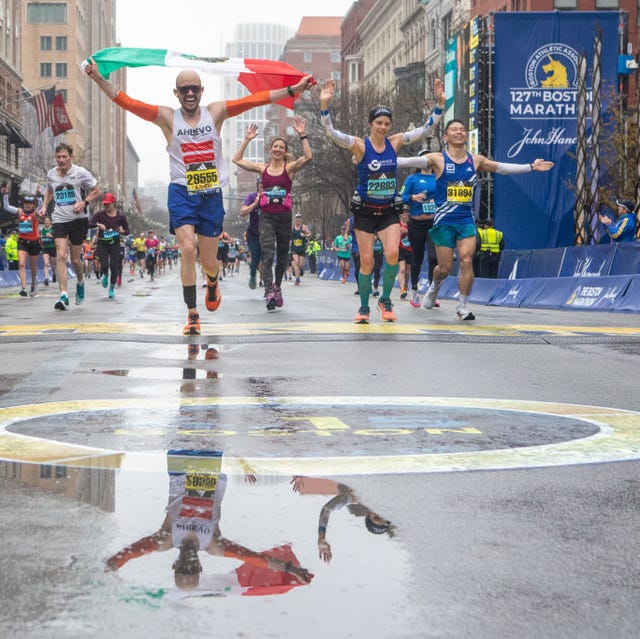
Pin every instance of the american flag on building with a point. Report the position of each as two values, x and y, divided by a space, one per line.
42 102
134 203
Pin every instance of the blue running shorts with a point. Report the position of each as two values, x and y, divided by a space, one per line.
204 212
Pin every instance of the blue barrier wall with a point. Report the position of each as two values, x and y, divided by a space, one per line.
601 278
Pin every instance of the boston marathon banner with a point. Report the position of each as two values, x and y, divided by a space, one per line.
535 116
255 75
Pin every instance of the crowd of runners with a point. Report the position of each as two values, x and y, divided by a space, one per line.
389 222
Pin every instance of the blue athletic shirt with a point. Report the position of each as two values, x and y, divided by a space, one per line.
454 192
377 182
419 183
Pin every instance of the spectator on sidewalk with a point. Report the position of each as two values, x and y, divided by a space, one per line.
621 226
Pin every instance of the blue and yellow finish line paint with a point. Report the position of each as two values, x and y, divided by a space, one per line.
616 438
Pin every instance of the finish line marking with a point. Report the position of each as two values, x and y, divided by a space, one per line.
313 328
618 439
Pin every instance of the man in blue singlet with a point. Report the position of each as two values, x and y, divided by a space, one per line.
456 172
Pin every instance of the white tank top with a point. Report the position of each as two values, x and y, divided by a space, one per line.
195 155
198 512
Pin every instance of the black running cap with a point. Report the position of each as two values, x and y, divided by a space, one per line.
627 204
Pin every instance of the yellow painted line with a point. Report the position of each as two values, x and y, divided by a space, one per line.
238 329
618 439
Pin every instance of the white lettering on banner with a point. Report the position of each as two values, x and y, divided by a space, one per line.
583 268
555 136
543 110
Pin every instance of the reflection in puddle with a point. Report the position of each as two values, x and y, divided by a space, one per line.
192 526
204 352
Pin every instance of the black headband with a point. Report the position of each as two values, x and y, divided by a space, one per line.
377 112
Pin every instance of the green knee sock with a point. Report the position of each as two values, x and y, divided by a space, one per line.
364 288
388 279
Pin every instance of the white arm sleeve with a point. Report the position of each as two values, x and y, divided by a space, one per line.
412 163
513 169
341 139
417 134
7 207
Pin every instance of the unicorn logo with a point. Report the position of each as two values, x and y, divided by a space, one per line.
557 75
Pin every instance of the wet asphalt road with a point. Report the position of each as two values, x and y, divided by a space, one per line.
504 454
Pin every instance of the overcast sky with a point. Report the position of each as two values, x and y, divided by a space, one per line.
199 27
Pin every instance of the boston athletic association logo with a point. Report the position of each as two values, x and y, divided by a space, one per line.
552 66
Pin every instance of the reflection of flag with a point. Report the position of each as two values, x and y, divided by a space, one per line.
42 101
264 581
254 74
59 118
134 204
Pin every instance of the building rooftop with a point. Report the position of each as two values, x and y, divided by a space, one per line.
319 26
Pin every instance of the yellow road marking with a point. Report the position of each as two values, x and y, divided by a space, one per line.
618 439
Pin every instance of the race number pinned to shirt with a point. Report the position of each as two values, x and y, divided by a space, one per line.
65 194
460 192
381 186
429 207
202 178
25 226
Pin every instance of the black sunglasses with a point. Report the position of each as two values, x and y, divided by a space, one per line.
194 88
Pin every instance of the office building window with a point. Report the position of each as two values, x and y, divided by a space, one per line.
308 57
61 69
47 13
565 4
335 57
607 4
45 43
61 43
45 69
354 72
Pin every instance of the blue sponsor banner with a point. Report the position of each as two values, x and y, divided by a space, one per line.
513 292
601 294
514 264
626 259
630 301
588 261
483 290
535 116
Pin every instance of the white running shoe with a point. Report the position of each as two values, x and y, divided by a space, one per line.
430 297
464 314
414 300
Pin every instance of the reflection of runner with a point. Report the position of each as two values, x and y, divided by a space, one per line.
344 496
192 524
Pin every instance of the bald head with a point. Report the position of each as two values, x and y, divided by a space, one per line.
187 76
188 90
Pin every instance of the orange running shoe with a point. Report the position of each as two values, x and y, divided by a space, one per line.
212 297
192 327
362 316
386 311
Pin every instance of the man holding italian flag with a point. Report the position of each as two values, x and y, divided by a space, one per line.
198 170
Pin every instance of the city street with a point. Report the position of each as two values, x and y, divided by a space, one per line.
501 455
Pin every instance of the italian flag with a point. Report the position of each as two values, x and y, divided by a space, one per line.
255 75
